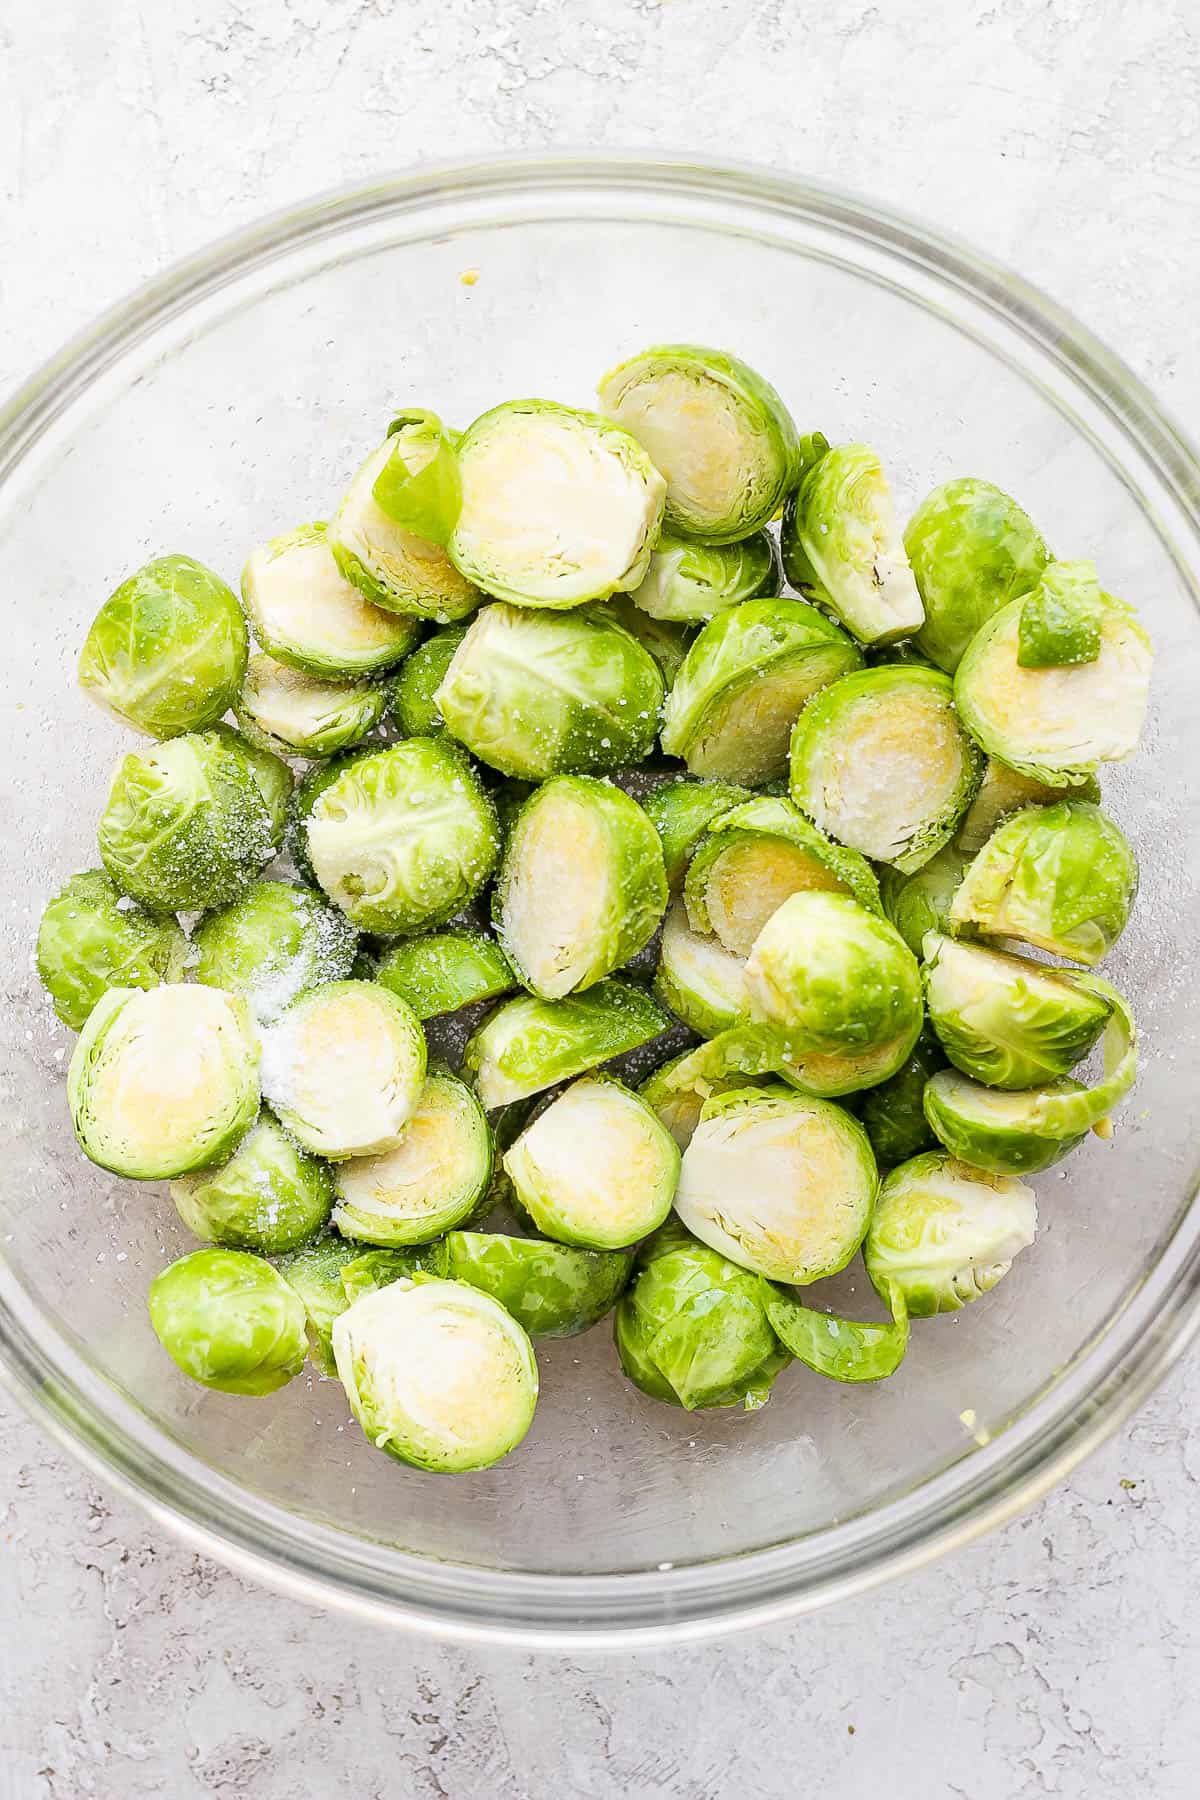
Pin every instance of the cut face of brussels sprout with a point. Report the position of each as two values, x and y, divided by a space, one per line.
308 790
681 812
163 1081
558 506
344 1068
306 614
779 1182
271 774
270 1196
293 714
582 886
391 567
1056 724
1004 1020
893 1114
1003 791
528 1044
1061 618
553 1290
945 1233
403 839
720 434
448 969
93 938
1062 877
921 902
845 525
536 695
972 550
701 982
437 1373
691 583
230 1321
185 826
597 1168
842 1349
167 651
881 762
274 942
413 690
315 1272
665 641
432 1179
743 682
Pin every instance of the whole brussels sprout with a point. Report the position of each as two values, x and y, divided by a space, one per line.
553 1290
315 1272
920 902
1003 791
93 938
446 970
690 583
527 1045
844 524
433 1178
662 639
230 1321
893 1114
1007 1021
167 651
701 981
972 550
306 614
944 1233
681 811
270 1196
291 713
393 567
413 704
274 942
272 776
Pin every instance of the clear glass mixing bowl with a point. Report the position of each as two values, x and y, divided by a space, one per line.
231 399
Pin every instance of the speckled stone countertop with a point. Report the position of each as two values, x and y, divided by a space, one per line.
1058 1657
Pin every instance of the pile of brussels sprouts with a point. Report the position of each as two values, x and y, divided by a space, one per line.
579 778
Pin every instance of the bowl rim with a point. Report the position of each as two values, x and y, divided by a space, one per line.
1106 1381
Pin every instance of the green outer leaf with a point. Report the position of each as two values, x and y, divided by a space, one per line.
767 816
920 902
972 550
274 941
1002 792
412 692
527 1044
690 583
444 970
553 1290
842 1349
315 1272
368 1270
272 776
662 639
425 499
1061 619
681 811
229 1320
893 1113
88 942
393 568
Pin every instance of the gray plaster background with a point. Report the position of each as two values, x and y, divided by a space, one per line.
1062 1655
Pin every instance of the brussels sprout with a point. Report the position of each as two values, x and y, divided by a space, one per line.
1056 724
944 1233
893 1114
553 1290
413 689
1006 1021
921 902
844 526
678 1089
1061 619
274 942
841 1349
448 969
163 1081
558 506
779 1182
1061 877
270 1195
309 788
527 1044
185 826
701 982
720 434
283 710
315 1272
691 583
757 855
536 695
229 1320
681 812
581 888
343 1067
437 1373
1003 791
306 614
743 681
392 567
972 550
432 1179
596 1168
272 776
404 838
419 486
167 651
880 761
665 641
93 938
370 1270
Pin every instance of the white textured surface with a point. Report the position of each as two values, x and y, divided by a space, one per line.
1059 1657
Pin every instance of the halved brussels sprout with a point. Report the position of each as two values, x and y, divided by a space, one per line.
881 761
229 1320
1056 724
920 902
270 1196
945 1233
393 567
167 651
755 857
558 506
597 1168
720 434
972 550
581 888
308 789
665 641
371 1270
344 1067
1061 877
283 710
413 690
306 614
163 1081
701 982
1006 1021
1003 791
893 1114
528 1044
1061 618
437 1373
844 523
681 811
274 942
272 777
743 681
448 969
535 694
678 1089
842 1349
433 1178
553 1290
404 838
779 1182
185 826
690 583
92 938
315 1272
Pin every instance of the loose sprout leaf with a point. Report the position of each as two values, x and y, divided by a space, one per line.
1061 619
395 568
419 486
445 970
843 1349
527 1045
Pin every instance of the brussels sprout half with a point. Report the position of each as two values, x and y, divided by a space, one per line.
306 614
920 902
880 761
291 713
271 944
445 970
944 1233
701 982
163 1081
392 567
720 434
690 583
270 1196
433 1178
558 506
972 550
413 689
92 938
681 811
1003 791
1062 618
315 1272
527 1044
893 1114
844 523
553 1290
230 1321
167 651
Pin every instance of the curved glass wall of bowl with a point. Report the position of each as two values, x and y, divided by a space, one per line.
234 398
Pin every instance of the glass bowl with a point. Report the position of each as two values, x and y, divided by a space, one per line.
230 400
